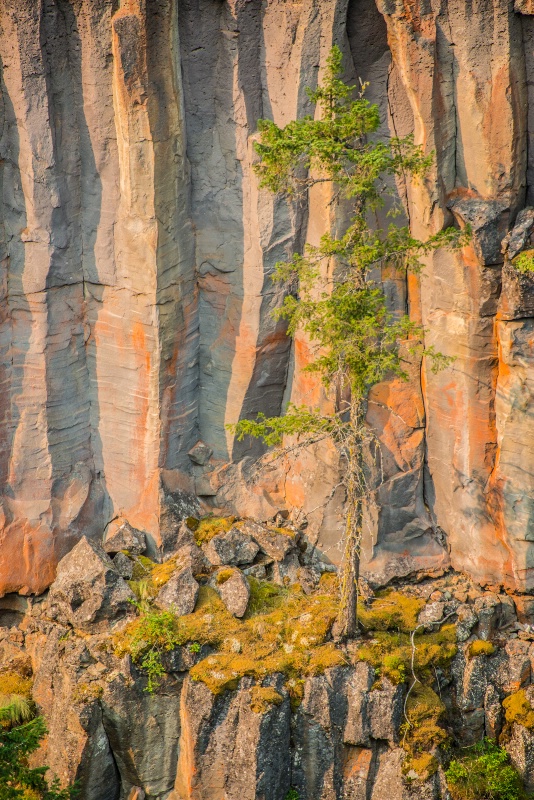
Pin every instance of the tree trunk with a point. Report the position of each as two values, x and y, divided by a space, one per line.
346 626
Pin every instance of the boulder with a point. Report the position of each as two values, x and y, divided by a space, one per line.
124 566
192 554
291 571
200 454
120 535
232 548
88 590
179 593
234 591
271 542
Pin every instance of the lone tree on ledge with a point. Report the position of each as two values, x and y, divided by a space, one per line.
358 340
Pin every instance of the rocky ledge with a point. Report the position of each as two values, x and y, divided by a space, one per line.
213 675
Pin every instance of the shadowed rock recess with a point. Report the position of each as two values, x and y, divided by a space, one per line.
136 324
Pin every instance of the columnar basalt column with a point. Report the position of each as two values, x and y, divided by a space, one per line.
462 67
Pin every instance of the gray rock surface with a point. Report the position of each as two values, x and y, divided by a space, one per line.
234 592
234 548
120 535
180 592
88 590
123 565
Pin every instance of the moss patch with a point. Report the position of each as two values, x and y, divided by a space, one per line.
208 527
284 631
480 648
391 653
148 577
11 683
390 611
518 709
224 575
262 698
87 692
15 699
422 734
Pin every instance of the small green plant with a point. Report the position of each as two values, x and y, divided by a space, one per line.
147 638
484 773
194 647
524 262
292 795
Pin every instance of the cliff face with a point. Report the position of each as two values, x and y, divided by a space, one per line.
137 249
221 726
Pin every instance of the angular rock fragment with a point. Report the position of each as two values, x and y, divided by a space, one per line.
120 535
291 571
88 589
431 613
232 548
123 565
273 543
192 554
179 593
234 591
200 454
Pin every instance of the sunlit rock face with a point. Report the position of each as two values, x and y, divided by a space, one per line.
137 252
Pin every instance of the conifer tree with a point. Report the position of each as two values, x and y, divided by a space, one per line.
358 340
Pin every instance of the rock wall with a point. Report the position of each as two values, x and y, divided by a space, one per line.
341 737
136 253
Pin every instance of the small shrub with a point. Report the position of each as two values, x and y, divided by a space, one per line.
484 773
146 639
480 648
292 795
518 709
524 262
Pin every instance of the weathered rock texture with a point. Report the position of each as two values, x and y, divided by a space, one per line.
342 741
136 252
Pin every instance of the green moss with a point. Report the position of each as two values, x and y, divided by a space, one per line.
264 596
87 692
518 709
480 648
12 683
391 653
15 699
391 611
284 631
422 733
208 527
262 698
284 531
224 575
325 657
148 577
524 262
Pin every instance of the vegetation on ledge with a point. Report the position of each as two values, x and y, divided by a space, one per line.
484 772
